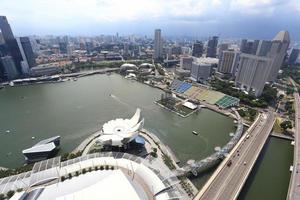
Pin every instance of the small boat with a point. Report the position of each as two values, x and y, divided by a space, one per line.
194 132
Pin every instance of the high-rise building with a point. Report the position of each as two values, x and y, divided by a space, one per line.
26 51
253 73
157 44
197 49
222 47
293 58
89 47
212 47
63 47
1 39
11 43
201 72
228 62
263 48
70 49
186 62
10 70
249 47
278 51
6 31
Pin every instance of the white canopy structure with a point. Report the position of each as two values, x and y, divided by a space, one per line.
121 131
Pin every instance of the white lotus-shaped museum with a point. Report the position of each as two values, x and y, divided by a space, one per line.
121 131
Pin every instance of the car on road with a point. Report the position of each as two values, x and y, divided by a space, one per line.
245 163
247 136
229 163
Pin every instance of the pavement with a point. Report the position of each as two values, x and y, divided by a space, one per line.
227 181
294 187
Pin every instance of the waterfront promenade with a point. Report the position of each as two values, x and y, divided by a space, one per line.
228 180
294 187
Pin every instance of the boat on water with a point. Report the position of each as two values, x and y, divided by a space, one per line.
195 132
42 150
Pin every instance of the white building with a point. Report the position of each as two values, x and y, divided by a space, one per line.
253 73
201 72
120 132
96 176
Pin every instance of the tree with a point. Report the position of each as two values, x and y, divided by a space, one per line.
286 124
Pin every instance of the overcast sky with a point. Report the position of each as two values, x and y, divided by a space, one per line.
260 19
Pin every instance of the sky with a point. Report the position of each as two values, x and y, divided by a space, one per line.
256 19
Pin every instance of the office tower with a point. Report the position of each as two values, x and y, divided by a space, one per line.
201 72
186 62
5 29
2 77
70 49
26 51
222 47
228 62
263 48
176 50
254 47
126 49
1 39
157 44
249 47
253 73
197 49
10 70
212 47
11 43
278 51
243 46
89 47
3 50
63 47
293 56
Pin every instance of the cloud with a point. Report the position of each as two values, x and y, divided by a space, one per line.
257 7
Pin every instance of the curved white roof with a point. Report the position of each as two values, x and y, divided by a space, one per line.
121 131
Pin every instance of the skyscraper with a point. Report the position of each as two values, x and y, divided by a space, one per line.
294 56
26 51
212 47
5 29
157 44
278 51
11 43
10 70
228 62
63 47
197 49
253 73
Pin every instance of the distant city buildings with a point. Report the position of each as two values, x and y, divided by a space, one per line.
157 44
212 47
197 50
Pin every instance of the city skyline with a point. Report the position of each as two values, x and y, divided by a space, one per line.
235 18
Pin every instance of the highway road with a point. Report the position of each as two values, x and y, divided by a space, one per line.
294 187
227 181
